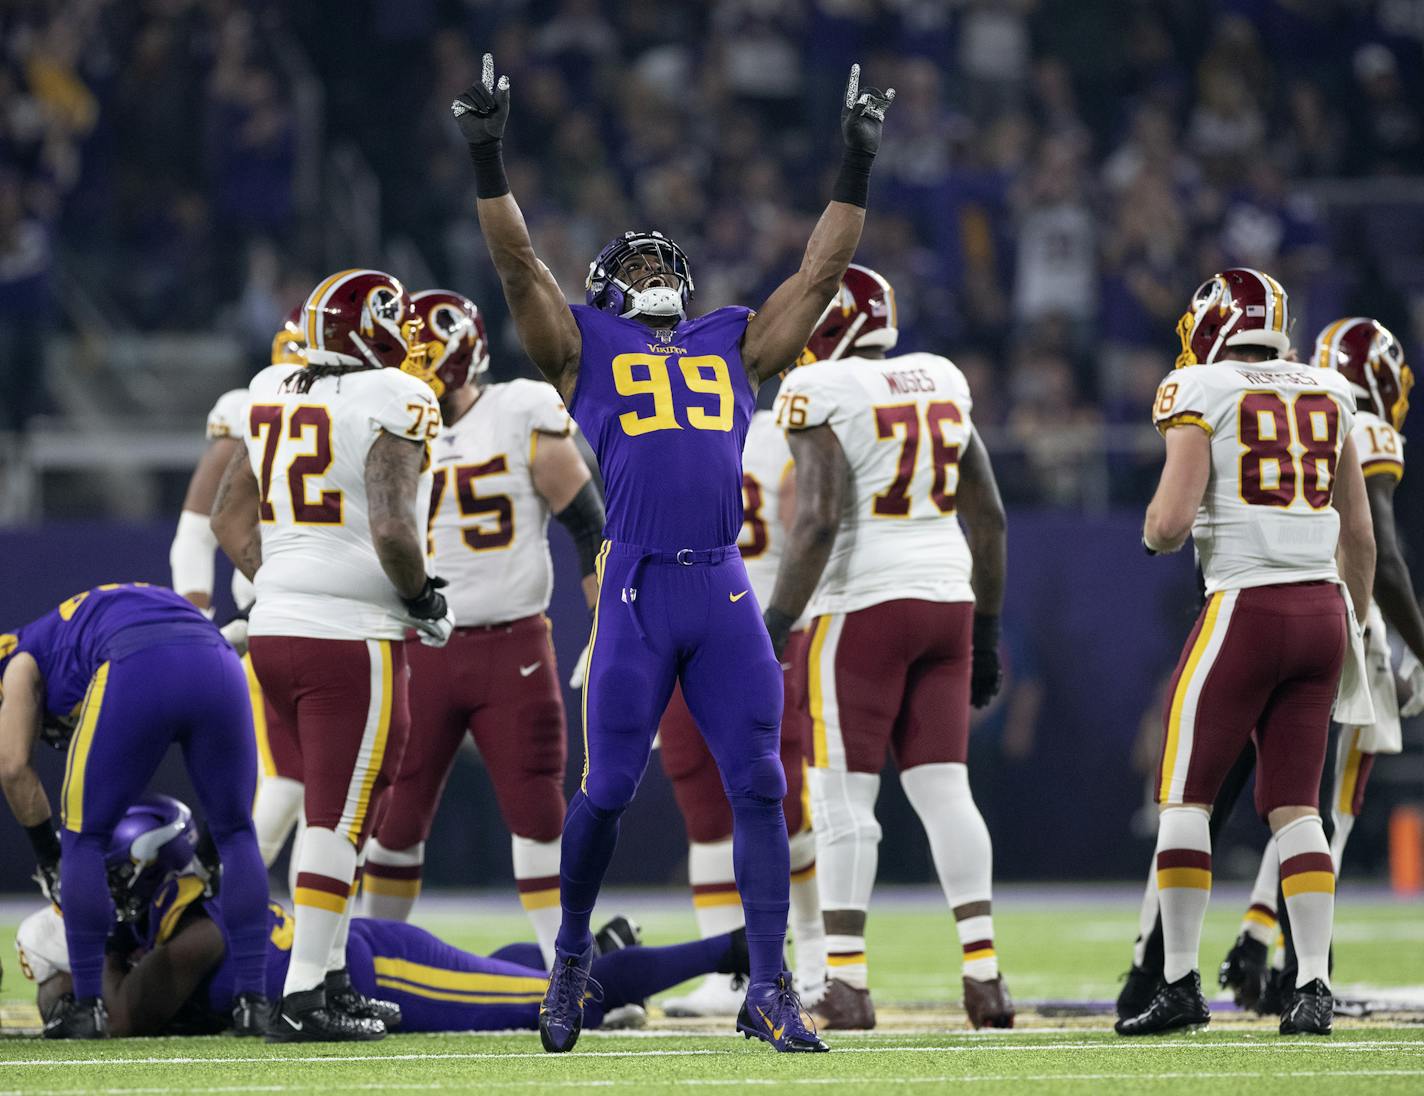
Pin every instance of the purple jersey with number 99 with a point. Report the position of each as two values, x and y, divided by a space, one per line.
666 412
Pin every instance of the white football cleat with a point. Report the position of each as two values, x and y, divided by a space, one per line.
718 995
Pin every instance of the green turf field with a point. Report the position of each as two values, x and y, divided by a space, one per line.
1072 948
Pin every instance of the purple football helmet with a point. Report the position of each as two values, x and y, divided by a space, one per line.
154 840
609 290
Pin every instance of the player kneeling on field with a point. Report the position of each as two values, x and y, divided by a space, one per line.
168 969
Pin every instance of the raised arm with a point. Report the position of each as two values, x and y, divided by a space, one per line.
392 476
776 334
541 314
1357 536
822 473
983 514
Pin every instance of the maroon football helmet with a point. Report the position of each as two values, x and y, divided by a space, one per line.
456 346
363 317
1372 361
1238 307
860 316
290 340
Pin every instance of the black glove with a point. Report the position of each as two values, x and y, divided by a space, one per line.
45 842
778 626
863 114
429 604
985 676
481 111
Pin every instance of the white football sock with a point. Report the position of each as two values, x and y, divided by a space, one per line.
1308 882
808 932
1183 886
390 882
847 855
322 898
536 874
1260 920
715 901
275 812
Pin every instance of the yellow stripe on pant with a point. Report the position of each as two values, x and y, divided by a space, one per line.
1179 697
259 718
598 566
71 796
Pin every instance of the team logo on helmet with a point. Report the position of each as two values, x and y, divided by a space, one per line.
861 316
154 840
608 287
1372 360
1238 307
457 347
363 318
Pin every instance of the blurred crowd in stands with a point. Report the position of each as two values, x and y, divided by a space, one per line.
1057 175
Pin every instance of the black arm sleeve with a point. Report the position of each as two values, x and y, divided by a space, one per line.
583 518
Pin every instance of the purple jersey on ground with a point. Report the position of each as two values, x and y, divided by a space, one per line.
71 642
666 412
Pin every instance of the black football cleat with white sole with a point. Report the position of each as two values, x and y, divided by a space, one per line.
1310 1010
1178 1005
617 933
305 1017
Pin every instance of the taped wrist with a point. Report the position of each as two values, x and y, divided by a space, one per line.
488 158
583 518
853 181
986 632
45 842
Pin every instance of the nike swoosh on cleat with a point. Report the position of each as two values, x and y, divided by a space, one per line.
775 1031
734 598
296 1026
525 671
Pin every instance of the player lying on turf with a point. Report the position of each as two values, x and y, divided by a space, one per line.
168 968
665 400
1262 472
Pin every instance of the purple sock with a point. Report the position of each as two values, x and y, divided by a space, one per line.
590 835
761 861
635 974
88 909
244 907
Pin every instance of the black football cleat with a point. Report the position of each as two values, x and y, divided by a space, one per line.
85 1018
344 997
251 1014
1276 994
617 934
1178 1005
1310 1010
561 1014
1244 970
772 1013
1139 986
305 1017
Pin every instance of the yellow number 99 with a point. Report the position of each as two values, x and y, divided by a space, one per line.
719 384
655 384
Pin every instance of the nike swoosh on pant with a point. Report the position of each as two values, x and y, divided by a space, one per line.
734 598
525 671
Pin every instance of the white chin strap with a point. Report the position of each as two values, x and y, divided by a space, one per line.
657 301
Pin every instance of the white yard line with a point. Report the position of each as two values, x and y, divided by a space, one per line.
1322 1046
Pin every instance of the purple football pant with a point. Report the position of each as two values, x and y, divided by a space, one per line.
193 693
660 621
